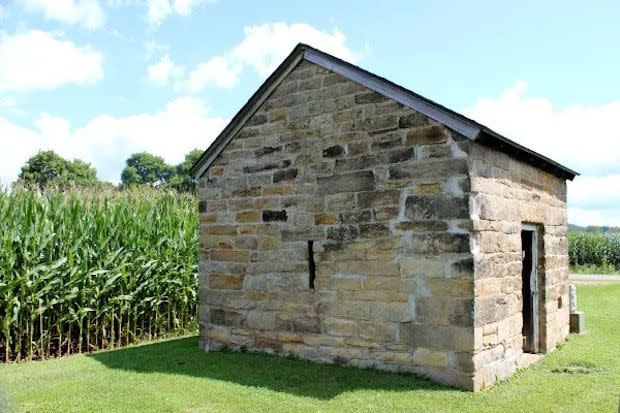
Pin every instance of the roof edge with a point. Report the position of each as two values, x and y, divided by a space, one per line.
451 119
246 112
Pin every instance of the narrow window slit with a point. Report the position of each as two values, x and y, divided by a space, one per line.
311 265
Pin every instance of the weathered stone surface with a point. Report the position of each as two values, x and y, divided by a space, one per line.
374 230
230 255
348 182
266 150
248 216
226 281
436 207
342 233
370 97
356 217
416 238
437 337
422 226
429 169
285 175
433 358
220 230
413 119
374 199
325 219
438 243
426 135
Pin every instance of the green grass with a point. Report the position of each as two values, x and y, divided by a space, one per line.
594 269
584 375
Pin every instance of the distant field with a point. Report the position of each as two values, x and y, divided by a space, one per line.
175 376
594 252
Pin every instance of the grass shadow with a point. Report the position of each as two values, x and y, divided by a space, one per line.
282 374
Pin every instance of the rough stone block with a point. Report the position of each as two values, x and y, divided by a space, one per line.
436 207
426 135
438 243
230 255
285 175
431 358
226 281
248 216
348 182
374 199
413 119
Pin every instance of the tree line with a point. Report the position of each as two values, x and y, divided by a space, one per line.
47 168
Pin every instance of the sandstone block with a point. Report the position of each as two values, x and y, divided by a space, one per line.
248 216
230 255
422 226
374 199
423 267
426 135
437 243
221 230
423 169
431 358
437 336
374 230
413 119
382 312
226 281
348 182
261 320
325 219
436 207
285 175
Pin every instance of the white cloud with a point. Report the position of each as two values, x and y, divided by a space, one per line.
261 50
216 72
88 13
43 60
158 10
107 141
583 138
265 46
163 71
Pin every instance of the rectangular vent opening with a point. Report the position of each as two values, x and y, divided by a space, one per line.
311 265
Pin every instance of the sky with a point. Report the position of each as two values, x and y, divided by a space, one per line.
100 80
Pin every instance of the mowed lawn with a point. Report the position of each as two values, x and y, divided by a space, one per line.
582 376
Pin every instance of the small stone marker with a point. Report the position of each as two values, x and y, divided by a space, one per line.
577 319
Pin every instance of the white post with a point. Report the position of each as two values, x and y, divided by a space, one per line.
573 297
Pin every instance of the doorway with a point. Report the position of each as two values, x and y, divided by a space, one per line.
529 289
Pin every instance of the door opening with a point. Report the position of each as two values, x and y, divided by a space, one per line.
529 277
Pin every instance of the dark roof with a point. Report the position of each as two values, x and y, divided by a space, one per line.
453 120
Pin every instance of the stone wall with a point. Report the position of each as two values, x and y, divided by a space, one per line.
383 193
505 193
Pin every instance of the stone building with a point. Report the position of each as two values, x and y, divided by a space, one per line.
345 219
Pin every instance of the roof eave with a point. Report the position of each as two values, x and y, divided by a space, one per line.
453 120
246 112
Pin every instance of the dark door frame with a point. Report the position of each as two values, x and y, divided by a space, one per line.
534 288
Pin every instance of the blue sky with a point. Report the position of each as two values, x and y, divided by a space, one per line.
99 80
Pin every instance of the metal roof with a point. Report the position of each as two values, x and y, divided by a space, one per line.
453 120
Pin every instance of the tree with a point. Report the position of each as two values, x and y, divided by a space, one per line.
183 181
146 169
48 168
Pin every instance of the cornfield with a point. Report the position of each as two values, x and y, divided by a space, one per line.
593 249
84 270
